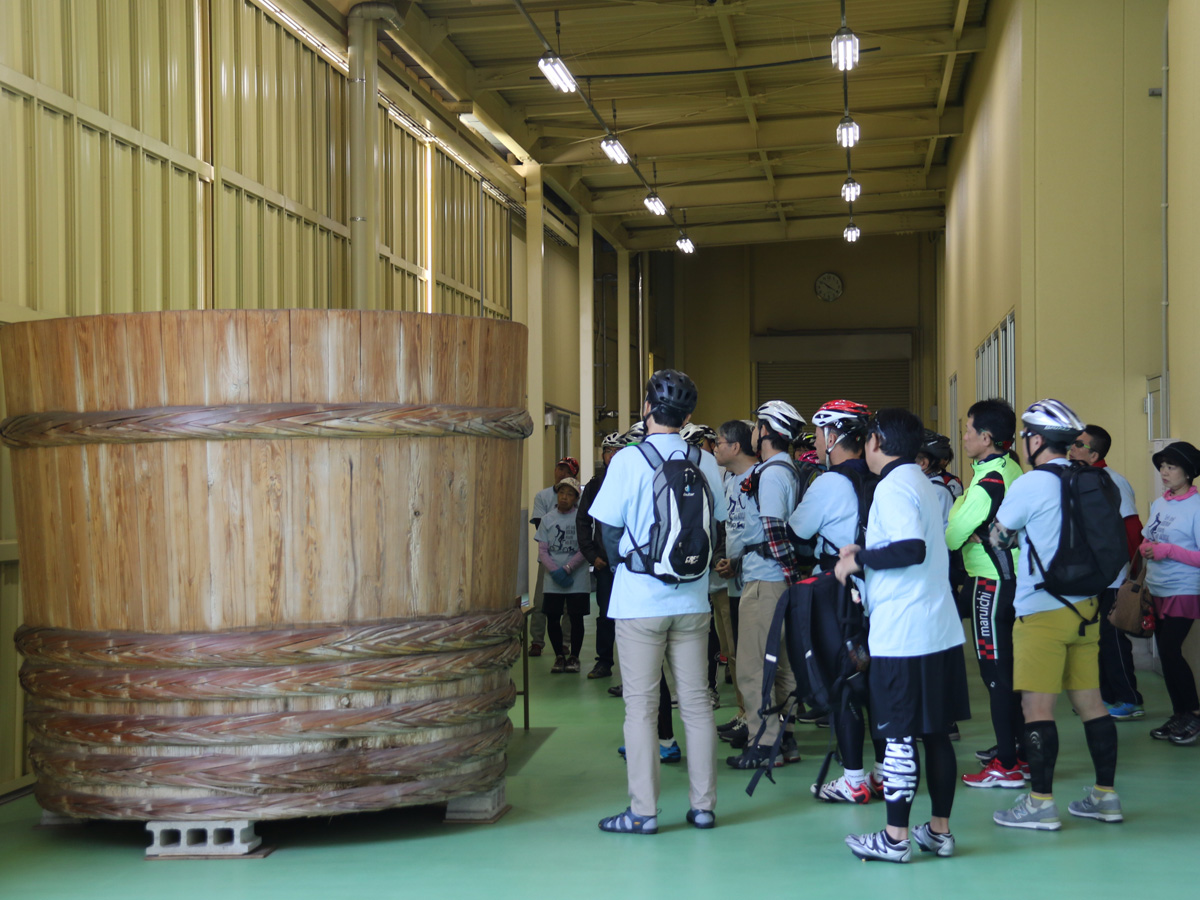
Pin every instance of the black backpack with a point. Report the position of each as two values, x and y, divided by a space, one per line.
684 531
805 474
1092 547
864 484
826 635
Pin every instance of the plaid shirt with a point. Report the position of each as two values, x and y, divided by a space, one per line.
781 548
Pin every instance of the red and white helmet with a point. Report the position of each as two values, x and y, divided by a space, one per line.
844 415
782 419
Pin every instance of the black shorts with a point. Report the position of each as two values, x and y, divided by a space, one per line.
992 618
574 604
913 695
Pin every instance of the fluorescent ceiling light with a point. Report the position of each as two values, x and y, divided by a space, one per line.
851 190
614 150
556 72
654 204
685 244
844 49
847 132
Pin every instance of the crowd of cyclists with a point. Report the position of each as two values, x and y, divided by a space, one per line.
699 539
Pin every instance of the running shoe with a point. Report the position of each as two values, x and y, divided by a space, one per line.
536 649
1102 805
614 691
1123 712
986 756
1188 730
840 790
560 665
628 823
755 757
733 724
573 665
931 842
715 696
875 783
878 846
789 750
670 754
1039 815
812 716
1164 731
737 738
600 670
995 775
702 818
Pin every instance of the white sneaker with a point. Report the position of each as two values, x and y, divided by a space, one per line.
931 842
879 846
840 790
1040 815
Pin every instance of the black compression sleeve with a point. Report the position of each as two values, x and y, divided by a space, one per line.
895 555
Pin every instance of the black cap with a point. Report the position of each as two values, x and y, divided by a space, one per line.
1181 454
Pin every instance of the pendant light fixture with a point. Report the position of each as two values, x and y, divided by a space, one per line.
844 46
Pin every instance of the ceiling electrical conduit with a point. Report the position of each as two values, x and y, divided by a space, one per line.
1166 376
364 22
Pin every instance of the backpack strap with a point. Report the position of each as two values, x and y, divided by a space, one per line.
770 665
637 560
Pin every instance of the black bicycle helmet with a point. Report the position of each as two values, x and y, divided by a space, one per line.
671 389
936 446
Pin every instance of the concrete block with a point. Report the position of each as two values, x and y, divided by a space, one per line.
219 837
483 808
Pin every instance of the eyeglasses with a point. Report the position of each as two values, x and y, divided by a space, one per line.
1080 445
1028 434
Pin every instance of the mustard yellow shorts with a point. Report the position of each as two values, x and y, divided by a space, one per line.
1050 655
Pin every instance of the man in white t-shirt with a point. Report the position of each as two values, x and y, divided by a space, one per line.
1054 645
918 675
657 620
1118 681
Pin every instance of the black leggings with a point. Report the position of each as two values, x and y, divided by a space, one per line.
993 624
850 729
1170 633
553 606
901 776
714 653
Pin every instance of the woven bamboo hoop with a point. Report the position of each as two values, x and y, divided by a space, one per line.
268 558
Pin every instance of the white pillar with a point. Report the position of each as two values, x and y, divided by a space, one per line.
623 409
587 343
535 252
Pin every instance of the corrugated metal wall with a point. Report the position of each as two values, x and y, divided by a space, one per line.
193 154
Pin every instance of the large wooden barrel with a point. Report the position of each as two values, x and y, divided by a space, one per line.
267 558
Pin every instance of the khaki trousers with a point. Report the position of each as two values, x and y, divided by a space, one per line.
642 645
724 617
759 599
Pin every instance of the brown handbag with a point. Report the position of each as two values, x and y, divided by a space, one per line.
1133 610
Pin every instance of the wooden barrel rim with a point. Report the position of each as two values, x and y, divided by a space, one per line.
261 421
233 682
247 729
272 806
390 637
267 774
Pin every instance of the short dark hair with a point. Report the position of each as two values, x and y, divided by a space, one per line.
773 437
736 431
899 432
1101 440
997 418
668 416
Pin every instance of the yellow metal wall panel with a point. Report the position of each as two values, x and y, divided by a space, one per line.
15 182
86 39
121 230
13 34
90 228
48 44
117 58
181 239
52 215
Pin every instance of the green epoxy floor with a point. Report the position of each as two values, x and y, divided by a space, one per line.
565 775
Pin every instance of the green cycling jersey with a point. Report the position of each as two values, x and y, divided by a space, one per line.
974 512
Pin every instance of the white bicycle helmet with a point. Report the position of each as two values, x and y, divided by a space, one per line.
1053 420
845 417
612 441
636 432
782 419
693 434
